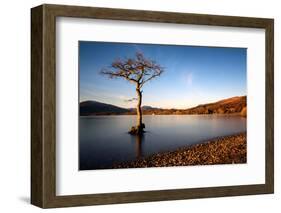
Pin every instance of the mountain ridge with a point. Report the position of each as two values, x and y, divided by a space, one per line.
231 105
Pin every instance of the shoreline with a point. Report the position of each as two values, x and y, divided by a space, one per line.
214 114
230 149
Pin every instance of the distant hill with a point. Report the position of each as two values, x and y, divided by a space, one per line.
149 108
144 108
96 108
227 106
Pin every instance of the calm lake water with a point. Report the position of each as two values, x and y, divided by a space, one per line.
104 139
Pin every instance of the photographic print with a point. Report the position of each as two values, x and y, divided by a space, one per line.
184 96
156 105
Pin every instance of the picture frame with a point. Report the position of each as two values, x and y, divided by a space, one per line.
43 105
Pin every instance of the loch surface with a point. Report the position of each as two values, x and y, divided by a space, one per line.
104 140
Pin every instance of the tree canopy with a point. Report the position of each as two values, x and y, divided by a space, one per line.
138 70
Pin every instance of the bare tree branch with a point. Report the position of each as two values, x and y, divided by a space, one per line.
138 70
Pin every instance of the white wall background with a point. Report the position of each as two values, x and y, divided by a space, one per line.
15 105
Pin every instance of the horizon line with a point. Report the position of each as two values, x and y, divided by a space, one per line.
238 96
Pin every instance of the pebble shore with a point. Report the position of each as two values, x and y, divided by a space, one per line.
224 150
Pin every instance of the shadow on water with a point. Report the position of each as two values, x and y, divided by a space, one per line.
139 141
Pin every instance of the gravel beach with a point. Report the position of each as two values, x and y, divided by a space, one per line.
223 150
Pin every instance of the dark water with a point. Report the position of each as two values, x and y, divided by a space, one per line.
104 139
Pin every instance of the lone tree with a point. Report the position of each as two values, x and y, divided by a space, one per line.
138 71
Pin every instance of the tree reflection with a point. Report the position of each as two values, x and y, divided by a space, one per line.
139 140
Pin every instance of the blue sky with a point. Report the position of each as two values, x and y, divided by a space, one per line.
193 75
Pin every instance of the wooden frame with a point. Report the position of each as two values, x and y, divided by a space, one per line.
43 105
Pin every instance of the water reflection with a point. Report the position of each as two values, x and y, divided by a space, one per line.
104 140
138 141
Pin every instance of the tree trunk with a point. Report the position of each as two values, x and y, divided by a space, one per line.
139 129
139 113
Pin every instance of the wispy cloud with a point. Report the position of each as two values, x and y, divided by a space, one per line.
131 100
188 78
